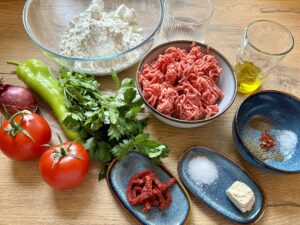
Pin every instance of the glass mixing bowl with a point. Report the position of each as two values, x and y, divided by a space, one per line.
46 20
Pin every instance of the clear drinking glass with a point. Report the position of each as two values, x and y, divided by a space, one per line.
265 43
185 20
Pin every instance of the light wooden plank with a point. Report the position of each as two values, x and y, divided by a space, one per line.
26 199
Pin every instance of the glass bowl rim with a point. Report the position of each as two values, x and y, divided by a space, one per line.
193 23
113 56
264 52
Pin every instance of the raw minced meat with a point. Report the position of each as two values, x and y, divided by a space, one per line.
183 84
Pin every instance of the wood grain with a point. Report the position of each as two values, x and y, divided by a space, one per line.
26 199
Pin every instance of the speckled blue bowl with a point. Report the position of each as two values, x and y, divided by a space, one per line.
214 194
118 176
283 111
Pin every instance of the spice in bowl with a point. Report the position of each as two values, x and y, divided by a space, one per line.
260 122
287 141
263 146
267 142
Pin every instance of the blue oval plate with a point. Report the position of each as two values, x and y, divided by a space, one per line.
214 194
118 176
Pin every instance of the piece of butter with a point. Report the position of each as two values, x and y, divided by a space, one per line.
241 195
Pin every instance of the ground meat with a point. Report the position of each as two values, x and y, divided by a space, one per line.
182 84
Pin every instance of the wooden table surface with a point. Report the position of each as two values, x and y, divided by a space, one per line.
26 199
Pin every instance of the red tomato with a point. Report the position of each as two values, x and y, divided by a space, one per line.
20 146
71 166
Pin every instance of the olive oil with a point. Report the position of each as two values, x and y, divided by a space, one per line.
249 76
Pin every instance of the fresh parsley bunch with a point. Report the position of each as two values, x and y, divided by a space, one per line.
108 123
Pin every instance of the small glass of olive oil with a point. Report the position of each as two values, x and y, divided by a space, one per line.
249 76
265 43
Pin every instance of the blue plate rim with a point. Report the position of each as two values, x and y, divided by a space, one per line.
239 133
178 181
263 208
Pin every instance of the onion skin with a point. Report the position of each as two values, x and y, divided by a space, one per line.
14 99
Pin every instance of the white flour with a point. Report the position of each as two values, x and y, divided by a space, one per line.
95 33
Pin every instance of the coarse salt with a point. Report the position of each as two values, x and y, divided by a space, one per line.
287 141
202 170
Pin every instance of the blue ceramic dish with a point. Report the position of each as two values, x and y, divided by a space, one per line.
227 83
283 113
118 176
214 195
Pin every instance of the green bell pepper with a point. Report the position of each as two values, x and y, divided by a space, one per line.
37 75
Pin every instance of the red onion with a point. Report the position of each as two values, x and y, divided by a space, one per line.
14 99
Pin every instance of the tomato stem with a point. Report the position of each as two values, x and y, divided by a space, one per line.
12 62
14 127
62 151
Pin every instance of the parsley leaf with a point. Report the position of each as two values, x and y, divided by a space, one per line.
113 115
109 124
150 147
98 150
121 150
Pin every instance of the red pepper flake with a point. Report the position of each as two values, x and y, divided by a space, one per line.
145 188
267 142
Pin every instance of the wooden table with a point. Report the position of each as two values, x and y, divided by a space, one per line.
26 199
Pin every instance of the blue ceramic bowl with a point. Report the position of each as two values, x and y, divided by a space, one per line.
227 83
277 113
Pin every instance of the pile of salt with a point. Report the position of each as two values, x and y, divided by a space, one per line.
287 142
202 170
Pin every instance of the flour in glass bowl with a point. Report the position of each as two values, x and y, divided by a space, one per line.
96 33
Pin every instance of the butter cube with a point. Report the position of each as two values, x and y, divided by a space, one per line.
241 195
